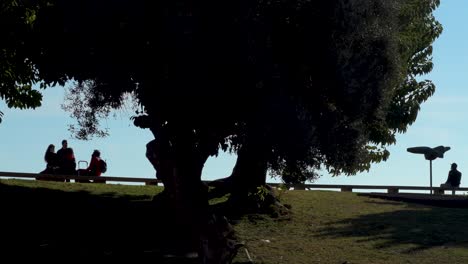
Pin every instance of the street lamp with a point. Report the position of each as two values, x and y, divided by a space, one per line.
430 154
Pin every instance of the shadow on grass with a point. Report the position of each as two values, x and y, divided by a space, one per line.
383 202
46 224
416 227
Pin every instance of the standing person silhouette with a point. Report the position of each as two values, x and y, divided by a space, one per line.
61 153
66 160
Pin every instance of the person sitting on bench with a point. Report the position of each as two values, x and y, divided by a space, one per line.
454 178
50 158
94 168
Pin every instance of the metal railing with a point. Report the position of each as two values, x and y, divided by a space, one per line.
146 181
153 181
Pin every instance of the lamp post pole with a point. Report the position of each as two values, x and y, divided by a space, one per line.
430 154
430 172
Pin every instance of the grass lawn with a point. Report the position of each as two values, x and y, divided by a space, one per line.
335 227
46 220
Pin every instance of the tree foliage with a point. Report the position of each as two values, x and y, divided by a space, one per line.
418 29
17 70
302 84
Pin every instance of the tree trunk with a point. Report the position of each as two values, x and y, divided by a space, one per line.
179 165
247 186
190 195
249 172
193 228
247 176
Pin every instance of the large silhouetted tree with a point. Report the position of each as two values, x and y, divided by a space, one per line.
290 86
365 115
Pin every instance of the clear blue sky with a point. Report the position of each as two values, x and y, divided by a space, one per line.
25 134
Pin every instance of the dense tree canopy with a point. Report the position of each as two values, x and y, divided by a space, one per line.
304 83
312 79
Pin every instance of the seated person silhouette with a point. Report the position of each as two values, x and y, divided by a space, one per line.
50 158
454 178
94 168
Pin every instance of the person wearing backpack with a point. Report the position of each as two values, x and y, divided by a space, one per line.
97 166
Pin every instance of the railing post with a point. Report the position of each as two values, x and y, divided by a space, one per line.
393 190
299 187
151 182
346 189
454 190
439 191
